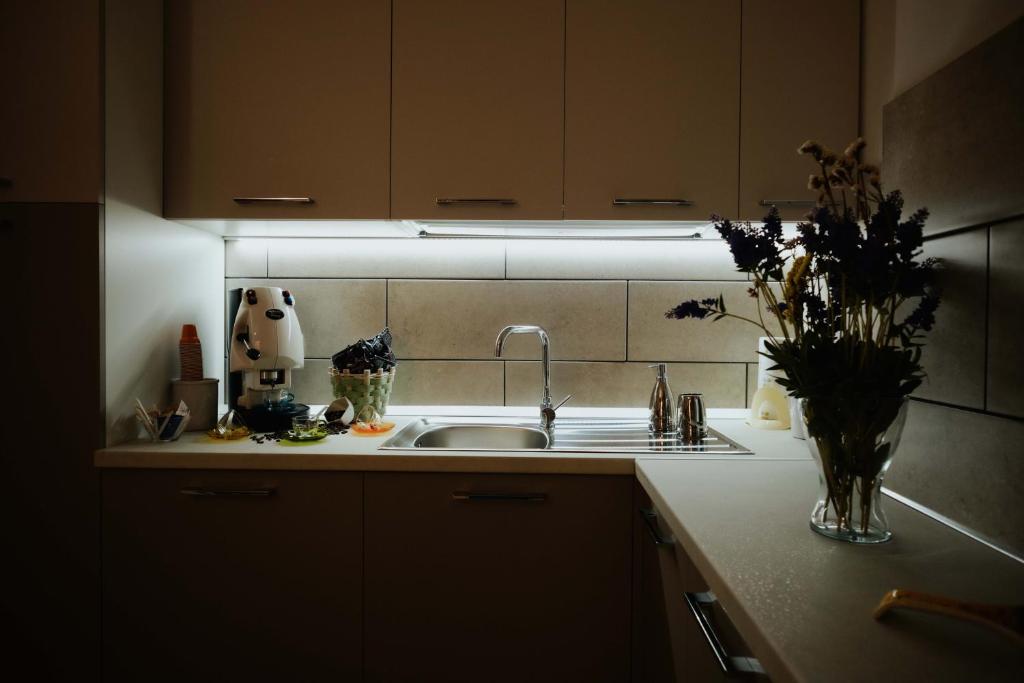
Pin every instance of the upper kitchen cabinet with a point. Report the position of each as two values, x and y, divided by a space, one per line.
801 81
51 128
277 109
477 109
652 97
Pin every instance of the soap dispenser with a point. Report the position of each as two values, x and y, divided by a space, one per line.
661 402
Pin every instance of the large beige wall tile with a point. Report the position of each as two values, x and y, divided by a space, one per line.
332 313
966 466
245 258
963 161
1006 326
653 337
461 319
439 382
623 384
954 352
387 258
312 384
621 260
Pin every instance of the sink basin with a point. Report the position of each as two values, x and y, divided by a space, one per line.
490 437
570 435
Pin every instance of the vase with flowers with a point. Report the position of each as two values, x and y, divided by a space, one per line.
850 297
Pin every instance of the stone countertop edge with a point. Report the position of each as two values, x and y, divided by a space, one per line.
350 452
769 580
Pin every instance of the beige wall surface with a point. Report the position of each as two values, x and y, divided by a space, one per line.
905 41
602 303
159 274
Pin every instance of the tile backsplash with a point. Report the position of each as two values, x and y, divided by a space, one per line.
602 302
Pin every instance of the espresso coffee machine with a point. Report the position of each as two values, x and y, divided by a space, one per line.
266 345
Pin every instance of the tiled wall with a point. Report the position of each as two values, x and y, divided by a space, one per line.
963 451
602 302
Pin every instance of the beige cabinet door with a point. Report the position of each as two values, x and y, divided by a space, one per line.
277 100
232 576
51 89
477 109
652 97
473 577
801 81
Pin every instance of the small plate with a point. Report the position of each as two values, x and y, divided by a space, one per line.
315 437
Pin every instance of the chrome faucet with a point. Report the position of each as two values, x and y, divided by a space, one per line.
547 412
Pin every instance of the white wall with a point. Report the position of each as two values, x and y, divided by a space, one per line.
159 274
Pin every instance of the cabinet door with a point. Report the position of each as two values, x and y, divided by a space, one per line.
654 659
51 128
801 81
277 100
49 513
528 582
232 576
652 97
477 109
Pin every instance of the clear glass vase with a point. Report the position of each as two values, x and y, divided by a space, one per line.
853 449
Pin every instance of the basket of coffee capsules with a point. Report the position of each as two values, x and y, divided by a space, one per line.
364 373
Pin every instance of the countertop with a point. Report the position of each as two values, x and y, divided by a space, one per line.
195 450
804 602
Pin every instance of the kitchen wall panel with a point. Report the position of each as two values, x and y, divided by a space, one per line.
245 258
622 384
964 465
1005 325
460 319
621 260
954 352
445 328
391 258
653 337
954 142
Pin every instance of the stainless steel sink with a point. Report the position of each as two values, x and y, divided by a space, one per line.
492 437
570 435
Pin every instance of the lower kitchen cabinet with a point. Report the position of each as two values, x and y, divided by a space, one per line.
690 638
474 577
232 576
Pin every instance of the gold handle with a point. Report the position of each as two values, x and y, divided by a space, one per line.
1006 619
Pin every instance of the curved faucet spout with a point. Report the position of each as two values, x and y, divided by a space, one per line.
545 401
499 344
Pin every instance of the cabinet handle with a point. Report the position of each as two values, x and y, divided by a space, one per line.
649 517
6 182
274 200
787 202
229 493
618 201
490 497
730 665
446 201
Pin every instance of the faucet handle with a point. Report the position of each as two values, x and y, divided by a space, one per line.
547 413
563 402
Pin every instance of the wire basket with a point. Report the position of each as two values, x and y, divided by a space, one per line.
368 388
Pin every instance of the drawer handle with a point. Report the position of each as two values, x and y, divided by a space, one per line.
491 497
274 200
787 202
730 666
497 201
228 493
649 517
6 182
618 201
